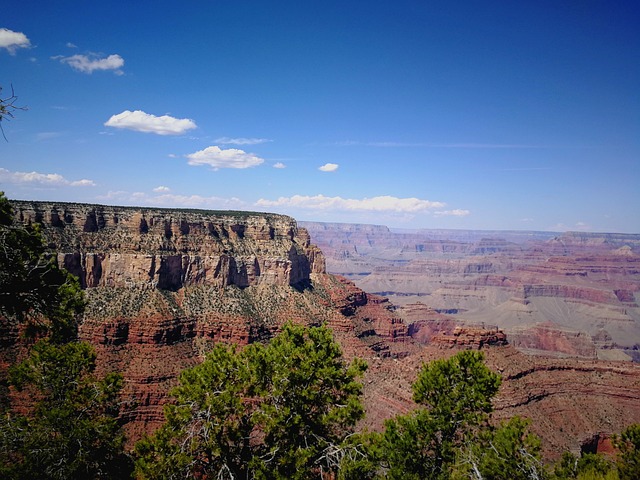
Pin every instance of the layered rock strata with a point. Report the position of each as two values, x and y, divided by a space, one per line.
170 249
533 285
567 400
164 285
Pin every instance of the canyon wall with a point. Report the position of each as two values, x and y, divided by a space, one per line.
164 285
170 249
551 293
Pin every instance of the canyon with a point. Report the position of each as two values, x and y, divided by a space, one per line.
164 285
572 294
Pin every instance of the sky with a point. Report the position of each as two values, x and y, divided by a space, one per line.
498 115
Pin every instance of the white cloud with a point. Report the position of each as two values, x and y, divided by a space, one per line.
217 158
170 200
90 63
145 122
161 189
196 201
241 141
279 165
12 41
452 213
375 204
328 167
115 195
577 227
71 45
45 179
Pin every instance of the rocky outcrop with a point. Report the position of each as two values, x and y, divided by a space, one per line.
552 340
600 442
164 285
567 400
471 337
169 249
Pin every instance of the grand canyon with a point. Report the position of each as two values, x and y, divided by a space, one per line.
556 314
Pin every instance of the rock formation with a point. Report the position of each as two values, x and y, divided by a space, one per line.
164 285
532 285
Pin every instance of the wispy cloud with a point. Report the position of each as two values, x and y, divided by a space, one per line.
218 158
170 200
196 201
41 179
279 165
328 167
241 141
140 121
452 213
577 227
375 204
161 189
351 143
12 41
92 62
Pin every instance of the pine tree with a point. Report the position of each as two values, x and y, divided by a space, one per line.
275 411
455 401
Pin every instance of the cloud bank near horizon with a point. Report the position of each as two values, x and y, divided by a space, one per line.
384 203
42 179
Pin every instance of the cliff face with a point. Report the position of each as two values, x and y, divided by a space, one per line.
164 285
567 400
171 249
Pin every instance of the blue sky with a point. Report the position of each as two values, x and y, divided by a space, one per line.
455 114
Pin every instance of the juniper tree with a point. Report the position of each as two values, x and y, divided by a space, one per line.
69 428
274 411
454 397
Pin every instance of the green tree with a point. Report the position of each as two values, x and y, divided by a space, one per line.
628 445
209 427
455 397
69 428
508 452
34 291
71 432
274 411
589 466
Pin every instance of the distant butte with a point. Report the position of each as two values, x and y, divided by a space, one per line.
572 294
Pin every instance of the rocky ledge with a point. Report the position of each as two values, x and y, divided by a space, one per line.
168 248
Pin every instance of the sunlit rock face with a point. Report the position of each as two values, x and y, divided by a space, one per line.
118 246
164 285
